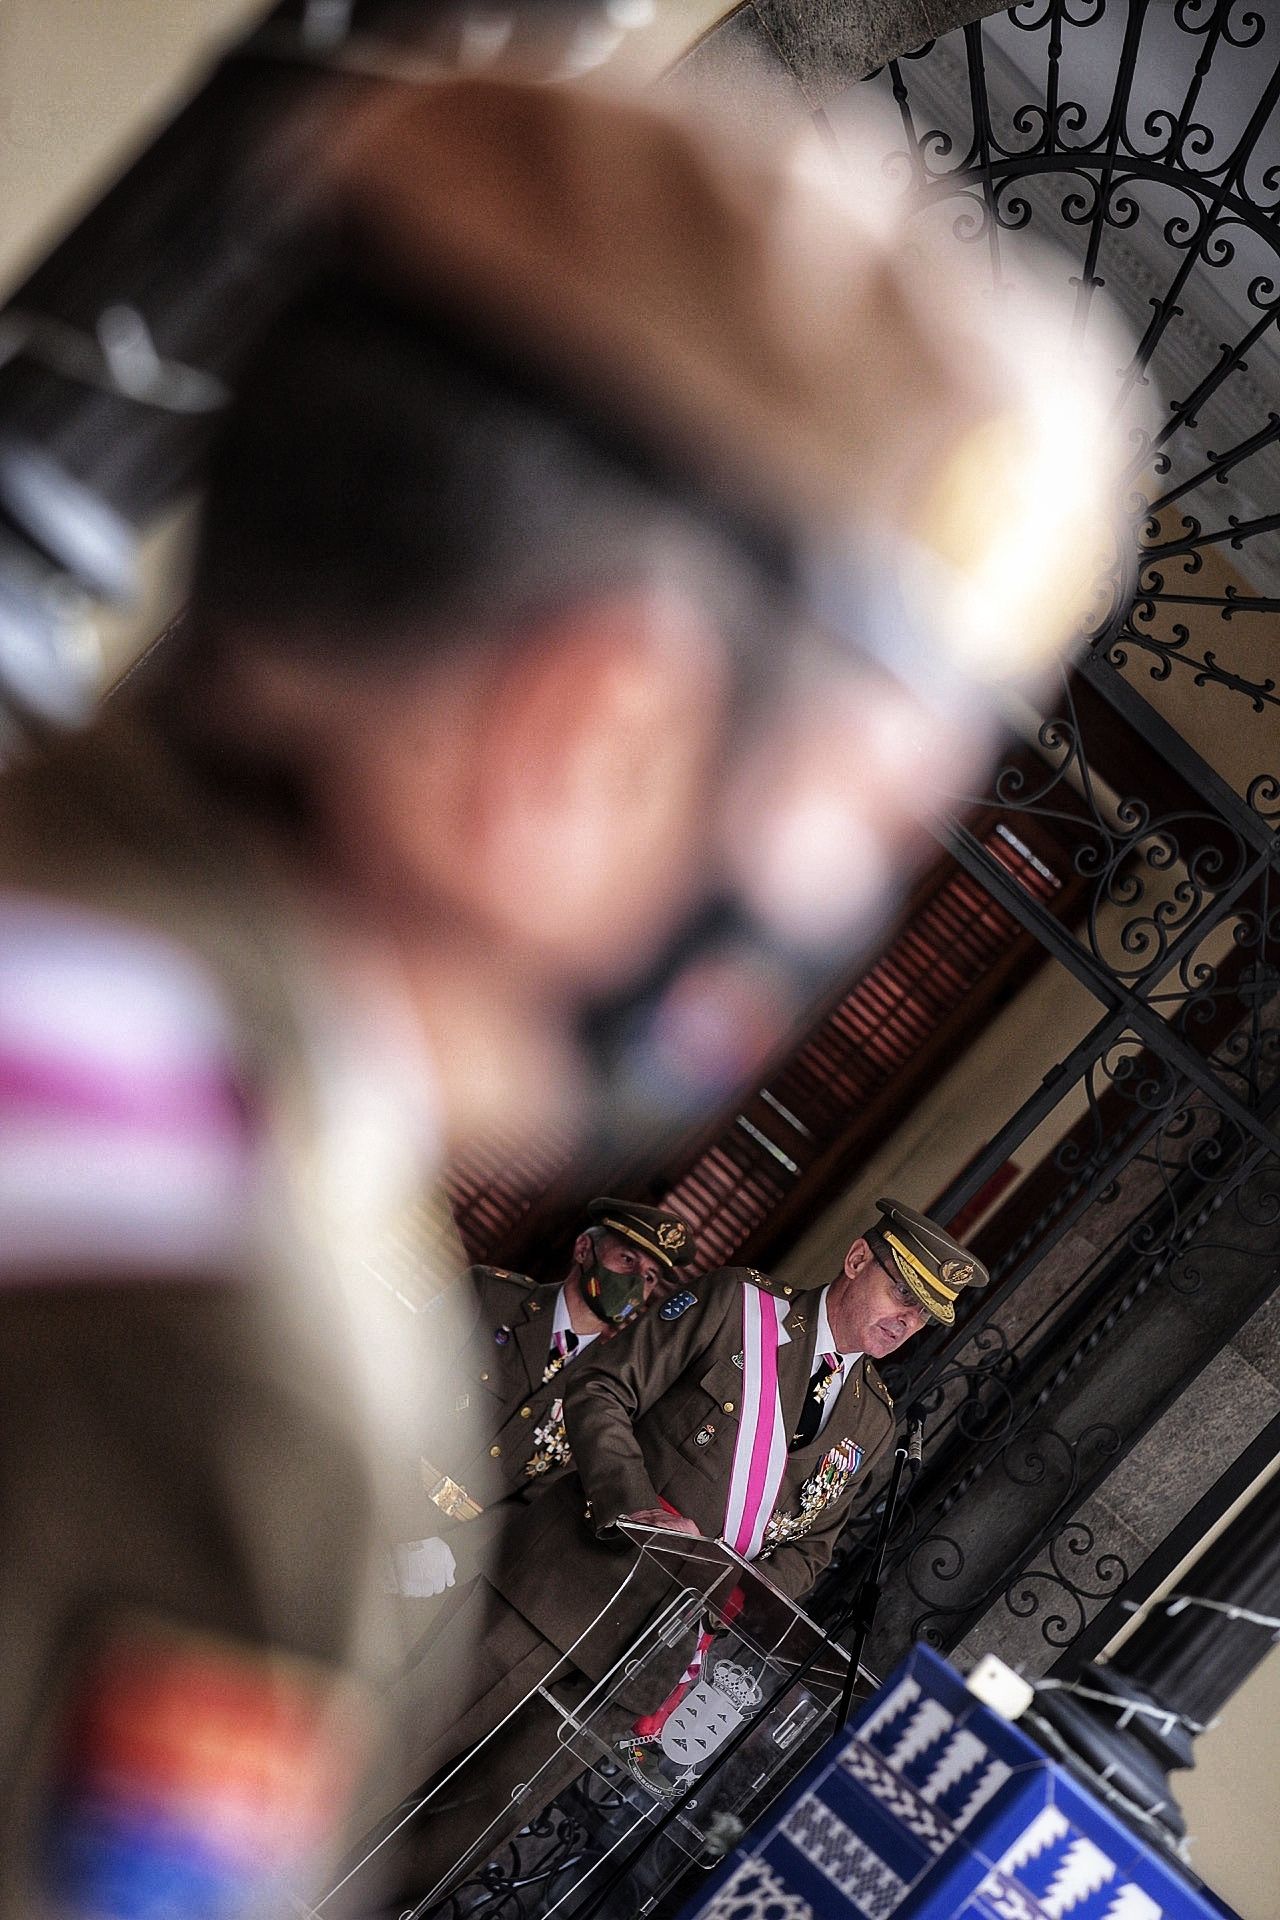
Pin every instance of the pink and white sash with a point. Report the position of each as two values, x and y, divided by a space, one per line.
759 1457
760 1454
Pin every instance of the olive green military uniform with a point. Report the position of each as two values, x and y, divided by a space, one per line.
653 1417
501 1438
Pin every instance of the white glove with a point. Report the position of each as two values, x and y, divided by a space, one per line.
423 1567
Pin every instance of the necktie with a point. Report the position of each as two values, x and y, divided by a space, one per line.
827 1371
563 1348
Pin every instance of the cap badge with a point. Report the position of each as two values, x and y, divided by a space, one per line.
671 1234
957 1273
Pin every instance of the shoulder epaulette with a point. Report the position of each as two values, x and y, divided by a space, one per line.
877 1385
736 1275
502 1273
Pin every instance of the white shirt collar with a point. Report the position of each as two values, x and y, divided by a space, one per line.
561 1323
825 1342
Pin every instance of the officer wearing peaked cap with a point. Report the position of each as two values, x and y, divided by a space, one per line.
664 1428
504 1438
922 1260
925 1257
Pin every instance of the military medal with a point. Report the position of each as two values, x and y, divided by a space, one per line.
821 1490
550 1443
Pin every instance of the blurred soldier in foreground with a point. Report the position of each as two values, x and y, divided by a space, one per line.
502 1432
740 1411
595 568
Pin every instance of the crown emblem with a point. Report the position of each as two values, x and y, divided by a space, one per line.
671 1234
738 1685
957 1273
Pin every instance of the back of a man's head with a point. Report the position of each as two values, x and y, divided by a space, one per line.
384 484
575 370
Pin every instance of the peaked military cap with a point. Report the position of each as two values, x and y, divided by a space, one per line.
933 1265
665 1235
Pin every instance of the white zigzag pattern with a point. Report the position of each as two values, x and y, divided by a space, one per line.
1048 1827
846 1860
1008 1901
754 1892
904 1695
960 1756
987 1788
1083 1869
927 1724
1131 1903
870 1770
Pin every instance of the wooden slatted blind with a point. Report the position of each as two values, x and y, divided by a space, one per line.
887 1021
762 1155
494 1184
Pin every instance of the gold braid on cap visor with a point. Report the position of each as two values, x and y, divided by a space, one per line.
629 1233
918 1267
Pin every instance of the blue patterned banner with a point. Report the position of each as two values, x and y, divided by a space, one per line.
932 1807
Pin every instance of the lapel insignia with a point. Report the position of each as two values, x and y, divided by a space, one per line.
679 1303
705 1434
878 1385
797 1323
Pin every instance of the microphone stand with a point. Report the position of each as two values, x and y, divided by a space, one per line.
861 1612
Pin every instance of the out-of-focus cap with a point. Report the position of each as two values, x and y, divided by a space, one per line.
753 313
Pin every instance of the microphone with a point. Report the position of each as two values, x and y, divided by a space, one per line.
915 1442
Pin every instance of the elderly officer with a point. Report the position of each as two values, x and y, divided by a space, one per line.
509 1433
669 1429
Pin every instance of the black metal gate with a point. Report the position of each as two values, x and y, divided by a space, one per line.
1142 141
1143 1238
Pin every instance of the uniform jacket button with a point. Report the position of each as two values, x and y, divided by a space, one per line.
495 1452
484 1376
728 1406
525 1412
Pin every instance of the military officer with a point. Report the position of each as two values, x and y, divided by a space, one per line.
667 1430
507 1432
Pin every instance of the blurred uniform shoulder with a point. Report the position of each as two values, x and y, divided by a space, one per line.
126 1104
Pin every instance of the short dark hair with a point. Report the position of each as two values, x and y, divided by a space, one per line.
379 471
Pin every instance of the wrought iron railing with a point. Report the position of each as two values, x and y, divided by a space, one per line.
1141 139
